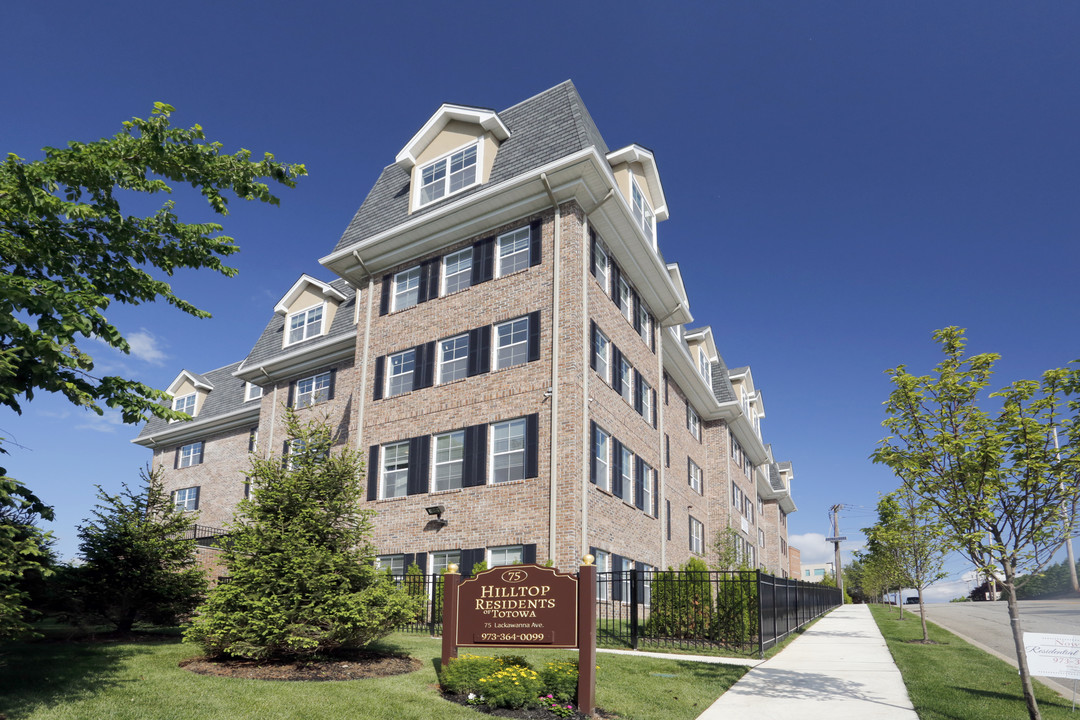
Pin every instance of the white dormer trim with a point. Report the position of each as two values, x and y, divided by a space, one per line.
487 119
306 281
675 273
636 153
189 377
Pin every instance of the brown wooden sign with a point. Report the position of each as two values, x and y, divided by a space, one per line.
518 606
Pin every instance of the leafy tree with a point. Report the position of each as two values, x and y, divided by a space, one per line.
909 532
993 477
67 251
24 551
854 574
301 563
139 558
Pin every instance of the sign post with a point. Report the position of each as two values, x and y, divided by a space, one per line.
525 606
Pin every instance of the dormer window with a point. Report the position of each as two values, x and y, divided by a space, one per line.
643 214
703 364
252 392
449 174
185 404
305 324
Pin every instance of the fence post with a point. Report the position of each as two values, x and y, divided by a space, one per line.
760 615
449 625
634 600
586 639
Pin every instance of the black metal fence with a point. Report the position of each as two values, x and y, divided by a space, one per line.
742 611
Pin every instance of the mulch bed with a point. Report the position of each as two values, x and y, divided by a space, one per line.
343 665
535 714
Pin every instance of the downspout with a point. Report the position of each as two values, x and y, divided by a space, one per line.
273 416
361 396
553 462
662 465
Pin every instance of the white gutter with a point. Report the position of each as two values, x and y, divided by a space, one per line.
194 428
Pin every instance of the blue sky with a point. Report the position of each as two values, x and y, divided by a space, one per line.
843 178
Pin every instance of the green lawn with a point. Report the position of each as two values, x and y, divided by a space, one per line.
957 681
53 680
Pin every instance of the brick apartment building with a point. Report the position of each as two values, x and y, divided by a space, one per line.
505 343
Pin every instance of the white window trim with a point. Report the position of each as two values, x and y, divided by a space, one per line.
603 565
183 400
250 390
697 539
390 376
605 481
390 564
647 222
492 452
704 366
442 286
439 380
418 174
647 409
694 479
195 457
693 422
394 307
626 303
489 555
315 389
627 462
496 347
603 277
627 381
499 272
435 464
383 471
307 335
188 499
604 358
647 491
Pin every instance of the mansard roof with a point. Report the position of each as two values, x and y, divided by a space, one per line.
542 129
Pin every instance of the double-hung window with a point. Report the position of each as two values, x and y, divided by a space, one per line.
512 251
506 555
694 475
508 450
648 499
448 175
600 266
190 454
602 349
402 371
252 392
697 536
305 324
704 367
440 561
603 565
693 422
601 450
643 214
406 288
394 564
626 300
395 469
185 499
644 323
185 404
627 473
626 377
453 358
449 460
646 401
457 271
312 390
761 538
512 343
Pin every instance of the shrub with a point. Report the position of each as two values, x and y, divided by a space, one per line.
737 609
682 604
560 679
463 674
512 687
513 661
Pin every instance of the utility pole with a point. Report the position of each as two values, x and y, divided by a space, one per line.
1069 519
835 540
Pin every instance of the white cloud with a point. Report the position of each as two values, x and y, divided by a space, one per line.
107 423
812 548
144 346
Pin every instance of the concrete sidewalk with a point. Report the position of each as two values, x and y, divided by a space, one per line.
840 669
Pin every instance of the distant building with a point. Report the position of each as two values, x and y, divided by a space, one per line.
816 573
506 345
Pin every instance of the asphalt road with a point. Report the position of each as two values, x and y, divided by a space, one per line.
986 625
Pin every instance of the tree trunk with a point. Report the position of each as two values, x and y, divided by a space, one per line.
1018 642
922 613
900 601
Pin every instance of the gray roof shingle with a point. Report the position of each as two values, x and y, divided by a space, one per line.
227 395
721 383
543 129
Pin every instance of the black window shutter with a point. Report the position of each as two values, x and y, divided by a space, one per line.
652 333
654 413
635 308
384 302
639 483
592 451
667 513
532 445
667 450
615 285
373 473
421 562
424 376
176 460
616 369
592 252
528 553
616 577
688 469
534 335
292 394
616 467
667 393
483 261
592 344
380 371
429 280
639 407
196 497
410 558
419 464
479 361
333 382
690 532
655 492
535 245
469 558
474 462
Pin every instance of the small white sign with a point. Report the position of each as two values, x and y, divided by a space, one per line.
1051 655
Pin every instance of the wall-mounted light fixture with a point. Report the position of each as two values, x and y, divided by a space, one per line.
437 511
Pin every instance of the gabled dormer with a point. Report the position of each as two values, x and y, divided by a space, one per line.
452 152
702 351
189 391
309 308
750 400
637 178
